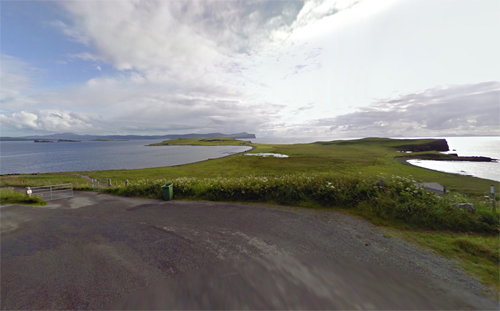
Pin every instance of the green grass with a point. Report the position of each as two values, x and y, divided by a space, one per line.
32 180
370 157
396 199
10 196
477 254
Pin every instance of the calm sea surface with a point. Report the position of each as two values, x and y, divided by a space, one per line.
30 157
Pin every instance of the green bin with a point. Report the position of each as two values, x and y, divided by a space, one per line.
168 191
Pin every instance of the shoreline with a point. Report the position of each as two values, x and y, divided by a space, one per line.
177 165
404 161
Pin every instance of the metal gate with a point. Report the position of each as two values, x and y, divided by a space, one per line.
53 192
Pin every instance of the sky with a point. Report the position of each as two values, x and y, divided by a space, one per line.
315 68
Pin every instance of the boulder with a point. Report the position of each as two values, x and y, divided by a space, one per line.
466 206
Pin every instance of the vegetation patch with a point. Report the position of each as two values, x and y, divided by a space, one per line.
10 196
391 198
478 254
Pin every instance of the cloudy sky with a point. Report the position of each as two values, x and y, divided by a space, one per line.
273 68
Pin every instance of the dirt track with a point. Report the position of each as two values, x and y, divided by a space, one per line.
98 251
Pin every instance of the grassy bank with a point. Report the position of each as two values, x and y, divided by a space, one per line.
391 198
10 196
477 254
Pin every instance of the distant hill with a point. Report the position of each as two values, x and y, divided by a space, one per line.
15 139
72 136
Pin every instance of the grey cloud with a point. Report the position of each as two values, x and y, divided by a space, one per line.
129 106
304 108
460 109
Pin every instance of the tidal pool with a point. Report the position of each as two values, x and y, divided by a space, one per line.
263 154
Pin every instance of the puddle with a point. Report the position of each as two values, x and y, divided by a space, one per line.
276 155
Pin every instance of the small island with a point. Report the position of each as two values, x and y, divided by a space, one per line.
58 141
102 139
204 142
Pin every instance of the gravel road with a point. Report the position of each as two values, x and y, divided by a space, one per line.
98 251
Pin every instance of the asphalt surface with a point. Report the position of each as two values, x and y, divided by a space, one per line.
97 251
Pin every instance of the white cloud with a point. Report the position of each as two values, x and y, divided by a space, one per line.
272 67
47 120
72 32
85 56
183 36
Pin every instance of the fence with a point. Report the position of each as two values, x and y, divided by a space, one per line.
53 192
98 183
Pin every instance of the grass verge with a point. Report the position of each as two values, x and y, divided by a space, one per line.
477 254
10 196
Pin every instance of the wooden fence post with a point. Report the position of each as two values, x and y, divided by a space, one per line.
492 192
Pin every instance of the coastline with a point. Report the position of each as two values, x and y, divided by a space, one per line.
177 165
461 171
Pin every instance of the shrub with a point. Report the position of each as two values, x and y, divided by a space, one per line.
394 199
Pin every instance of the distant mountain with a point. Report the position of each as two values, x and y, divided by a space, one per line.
4 138
72 136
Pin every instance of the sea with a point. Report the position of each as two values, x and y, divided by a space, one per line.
18 157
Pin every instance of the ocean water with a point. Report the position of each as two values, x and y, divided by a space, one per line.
30 157
468 146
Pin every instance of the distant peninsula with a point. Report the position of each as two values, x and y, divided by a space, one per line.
73 137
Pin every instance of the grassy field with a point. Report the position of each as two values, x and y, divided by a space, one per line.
306 178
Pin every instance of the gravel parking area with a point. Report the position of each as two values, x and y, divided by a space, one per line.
98 251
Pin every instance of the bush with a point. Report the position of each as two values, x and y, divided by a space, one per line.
390 198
